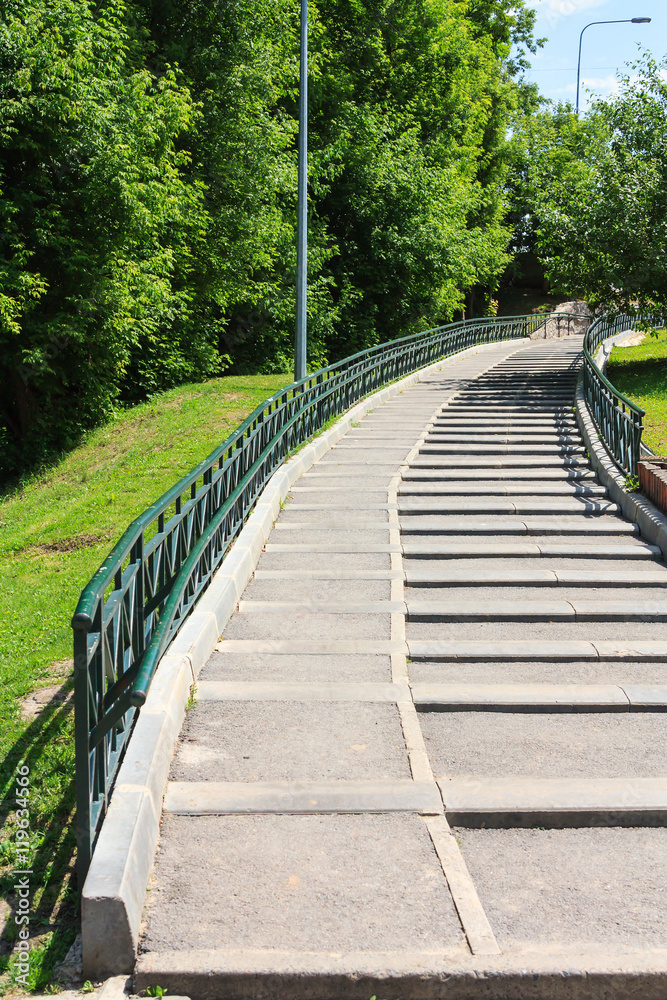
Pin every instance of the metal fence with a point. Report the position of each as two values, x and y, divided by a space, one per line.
619 421
138 599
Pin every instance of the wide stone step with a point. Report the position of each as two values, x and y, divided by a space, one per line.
491 435
498 410
481 474
445 420
508 461
555 802
528 650
517 505
539 697
214 798
536 611
561 550
491 398
463 488
450 524
472 448
535 578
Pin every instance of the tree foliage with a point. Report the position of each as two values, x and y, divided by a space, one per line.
148 188
594 194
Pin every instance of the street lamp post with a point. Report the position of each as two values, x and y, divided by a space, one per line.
302 208
625 20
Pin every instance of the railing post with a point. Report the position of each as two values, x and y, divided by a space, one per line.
82 752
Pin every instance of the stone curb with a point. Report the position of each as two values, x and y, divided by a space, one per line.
113 895
651 522
577 972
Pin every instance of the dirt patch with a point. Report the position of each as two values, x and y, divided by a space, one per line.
61 668
70 544
46 697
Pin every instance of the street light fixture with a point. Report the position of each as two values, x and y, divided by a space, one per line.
301 339
625 20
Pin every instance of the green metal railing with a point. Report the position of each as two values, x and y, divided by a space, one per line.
137 600
619 421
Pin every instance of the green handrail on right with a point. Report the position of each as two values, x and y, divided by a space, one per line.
619 420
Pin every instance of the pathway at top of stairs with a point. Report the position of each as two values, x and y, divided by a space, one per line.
427 757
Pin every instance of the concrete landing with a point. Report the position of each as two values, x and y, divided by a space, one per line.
410 769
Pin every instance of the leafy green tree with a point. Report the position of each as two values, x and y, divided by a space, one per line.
96 223
597 191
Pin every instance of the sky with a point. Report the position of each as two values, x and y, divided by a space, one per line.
606 48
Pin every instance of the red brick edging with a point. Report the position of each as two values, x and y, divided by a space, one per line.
653 480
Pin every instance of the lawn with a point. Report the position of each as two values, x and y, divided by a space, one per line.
641 374
54 533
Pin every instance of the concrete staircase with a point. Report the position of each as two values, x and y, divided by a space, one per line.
427 758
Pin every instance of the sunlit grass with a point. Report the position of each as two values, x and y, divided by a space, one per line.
641 374
54 533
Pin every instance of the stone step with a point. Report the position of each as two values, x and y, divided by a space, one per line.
492 399
509 461
517 505
555 802
321 607
527 650
329 523
446 420
535 578
461 487
216 798
526 409
560 550
535 611
411 474
472 448
451 524
323 691
539 697
328 574
509 436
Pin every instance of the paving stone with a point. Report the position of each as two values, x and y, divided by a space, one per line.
307 625
317 590
601 745
276 559
290 741
313 535
275 667
630 634
539 672
571 886
307 514
299 883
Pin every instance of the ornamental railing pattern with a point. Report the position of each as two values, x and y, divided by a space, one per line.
138 599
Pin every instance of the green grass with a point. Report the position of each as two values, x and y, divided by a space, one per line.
641 374
54 532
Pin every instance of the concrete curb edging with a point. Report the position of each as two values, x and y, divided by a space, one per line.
113 895
651 522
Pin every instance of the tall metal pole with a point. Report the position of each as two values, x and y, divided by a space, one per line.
302 208
625 20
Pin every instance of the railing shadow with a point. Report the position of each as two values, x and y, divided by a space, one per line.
53 846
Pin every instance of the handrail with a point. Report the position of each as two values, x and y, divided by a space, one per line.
140 596
619 421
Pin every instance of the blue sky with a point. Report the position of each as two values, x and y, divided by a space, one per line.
605 49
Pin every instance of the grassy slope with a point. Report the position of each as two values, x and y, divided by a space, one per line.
54 533
641 374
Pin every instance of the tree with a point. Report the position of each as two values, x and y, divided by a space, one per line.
96 220
599 190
